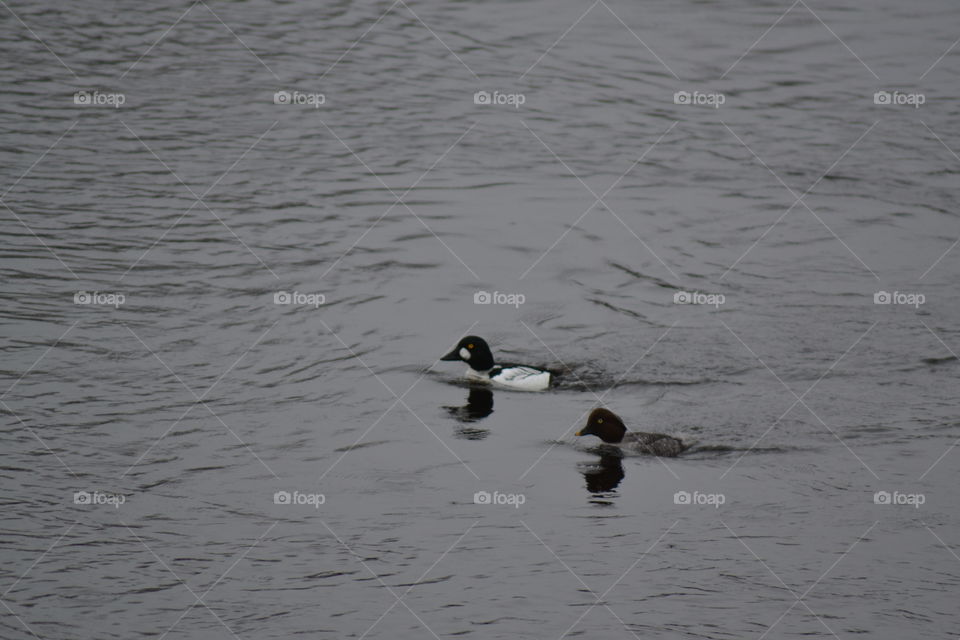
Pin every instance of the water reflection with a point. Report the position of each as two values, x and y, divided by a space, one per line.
479 406
604 476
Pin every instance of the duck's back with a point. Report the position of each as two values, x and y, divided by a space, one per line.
656 444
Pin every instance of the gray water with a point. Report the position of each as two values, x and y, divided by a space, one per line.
397 199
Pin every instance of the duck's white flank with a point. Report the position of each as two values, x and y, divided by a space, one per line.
519 377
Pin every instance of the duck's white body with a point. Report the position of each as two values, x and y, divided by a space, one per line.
518 377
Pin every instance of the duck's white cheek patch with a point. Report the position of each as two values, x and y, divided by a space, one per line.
464 354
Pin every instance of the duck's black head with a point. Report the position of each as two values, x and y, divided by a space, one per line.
604 424
474 351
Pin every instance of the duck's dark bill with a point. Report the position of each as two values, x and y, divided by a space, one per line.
453 355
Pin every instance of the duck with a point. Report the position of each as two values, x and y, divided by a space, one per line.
608 426
475 351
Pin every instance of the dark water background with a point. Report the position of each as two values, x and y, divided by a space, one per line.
199 398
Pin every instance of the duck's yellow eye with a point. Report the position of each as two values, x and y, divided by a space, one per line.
599 420
469 346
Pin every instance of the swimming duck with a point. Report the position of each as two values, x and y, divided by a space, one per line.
607 426
475 352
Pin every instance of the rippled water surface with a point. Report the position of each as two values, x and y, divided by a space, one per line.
590 187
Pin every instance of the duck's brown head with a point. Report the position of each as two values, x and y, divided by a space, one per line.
604 424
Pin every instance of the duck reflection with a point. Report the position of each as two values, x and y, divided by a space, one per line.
479 406
604 476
